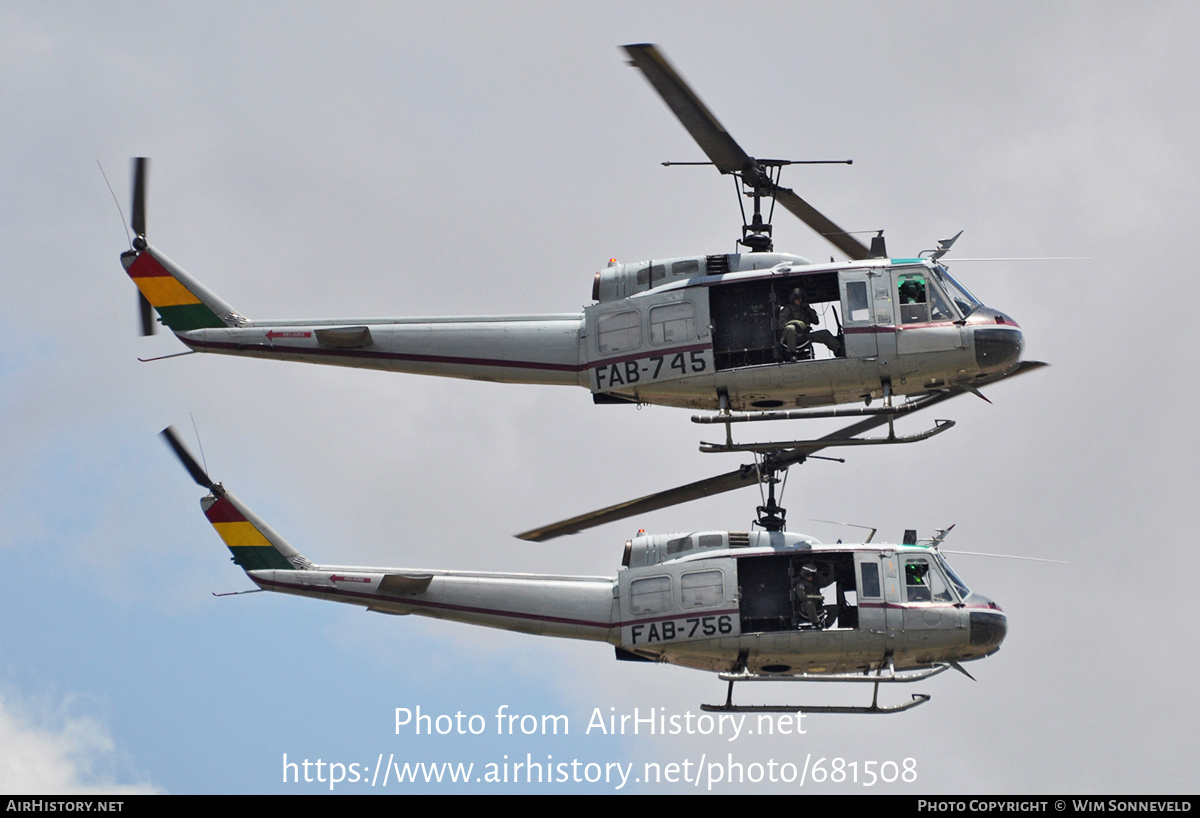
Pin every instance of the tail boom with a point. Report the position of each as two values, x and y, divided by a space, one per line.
567 607
531 349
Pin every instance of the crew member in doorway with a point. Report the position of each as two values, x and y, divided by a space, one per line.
796 321
809 599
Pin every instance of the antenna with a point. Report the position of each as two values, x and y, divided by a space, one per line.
198 442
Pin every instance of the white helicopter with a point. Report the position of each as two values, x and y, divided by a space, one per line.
750 605
703 332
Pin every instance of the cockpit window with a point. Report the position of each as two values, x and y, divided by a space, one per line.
924 583
913 298
959 294
939 310
958 584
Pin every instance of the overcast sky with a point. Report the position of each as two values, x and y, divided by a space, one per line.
317 160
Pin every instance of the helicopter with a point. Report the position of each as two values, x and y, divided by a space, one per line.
751 606
700 332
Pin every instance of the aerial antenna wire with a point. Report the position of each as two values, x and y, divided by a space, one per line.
113 193
198 443
1002 556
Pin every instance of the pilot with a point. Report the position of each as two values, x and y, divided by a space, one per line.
796 322
912 291
915 579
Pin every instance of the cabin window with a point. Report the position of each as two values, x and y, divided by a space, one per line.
673 323
650 595
870 579
619 331
857 304
678 545
653 273
690 267
701 589
923 583
711 541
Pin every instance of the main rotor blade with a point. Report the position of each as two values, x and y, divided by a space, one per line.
747 475
725 153
185 457
815 219
744 476
137 216
713 139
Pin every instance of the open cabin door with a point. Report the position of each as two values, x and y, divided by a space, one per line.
745 316
790 592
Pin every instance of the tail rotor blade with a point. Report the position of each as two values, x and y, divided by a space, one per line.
137 221
185 457
147 312
137 218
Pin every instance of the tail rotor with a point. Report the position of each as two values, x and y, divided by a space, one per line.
185 457
137 221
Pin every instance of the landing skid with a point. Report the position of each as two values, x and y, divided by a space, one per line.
798 414
874 707
939 427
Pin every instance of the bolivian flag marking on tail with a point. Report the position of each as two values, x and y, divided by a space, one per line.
251 549
180 309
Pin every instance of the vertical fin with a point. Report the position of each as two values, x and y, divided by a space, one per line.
181 302
253 543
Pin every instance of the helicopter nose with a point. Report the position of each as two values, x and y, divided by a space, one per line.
988 628
999 342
